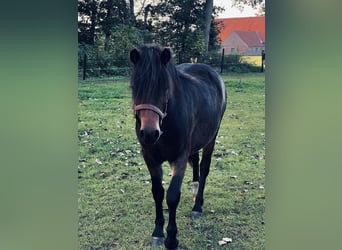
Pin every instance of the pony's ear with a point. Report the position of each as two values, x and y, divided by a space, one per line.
165 56
134 56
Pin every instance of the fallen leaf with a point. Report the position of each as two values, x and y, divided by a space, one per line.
234 153
248 183
116 242
222 242
259 156
103 174
227 239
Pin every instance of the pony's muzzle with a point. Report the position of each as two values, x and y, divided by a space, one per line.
149 136
149 132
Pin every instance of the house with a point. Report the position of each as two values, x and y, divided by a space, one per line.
244 42
243 35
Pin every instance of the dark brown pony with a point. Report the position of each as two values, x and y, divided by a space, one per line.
178 112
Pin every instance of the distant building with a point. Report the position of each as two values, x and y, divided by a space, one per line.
244 35
248 43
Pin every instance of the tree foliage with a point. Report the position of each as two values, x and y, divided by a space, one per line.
256 4
108 29
87 21
181 25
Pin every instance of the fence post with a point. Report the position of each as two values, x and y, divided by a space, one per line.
262 60
84 66
222 59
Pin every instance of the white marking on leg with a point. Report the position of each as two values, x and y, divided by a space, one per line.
195 185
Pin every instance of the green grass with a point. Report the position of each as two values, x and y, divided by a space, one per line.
116 208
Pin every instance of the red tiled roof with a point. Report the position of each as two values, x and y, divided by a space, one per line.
242 23
251 38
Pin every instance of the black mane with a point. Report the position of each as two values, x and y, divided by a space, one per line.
151 78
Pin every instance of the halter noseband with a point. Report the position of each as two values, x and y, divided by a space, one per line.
150 107
153 108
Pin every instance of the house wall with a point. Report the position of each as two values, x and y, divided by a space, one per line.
254 51
234 44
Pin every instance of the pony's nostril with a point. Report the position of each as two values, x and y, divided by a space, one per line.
149 136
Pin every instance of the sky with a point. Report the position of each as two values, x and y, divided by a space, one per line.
233 12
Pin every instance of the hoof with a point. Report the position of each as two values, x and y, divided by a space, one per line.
196 215
172 246
157 241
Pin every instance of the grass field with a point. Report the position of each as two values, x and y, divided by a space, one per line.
116 208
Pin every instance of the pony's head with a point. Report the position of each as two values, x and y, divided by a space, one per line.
151 86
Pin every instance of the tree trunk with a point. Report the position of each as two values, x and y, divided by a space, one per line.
209 5
108 26
93 21
131 11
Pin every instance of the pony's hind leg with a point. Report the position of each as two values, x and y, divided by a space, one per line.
204 171
194 162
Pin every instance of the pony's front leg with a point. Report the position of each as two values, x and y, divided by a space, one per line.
158 196
172 199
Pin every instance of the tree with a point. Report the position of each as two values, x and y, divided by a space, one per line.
88 20
122 39
256 4
184 26
209 5
97 16
108 29
262 10
131 11
112 13
106 34
212 30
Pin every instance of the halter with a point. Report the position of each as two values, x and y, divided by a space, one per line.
153 108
